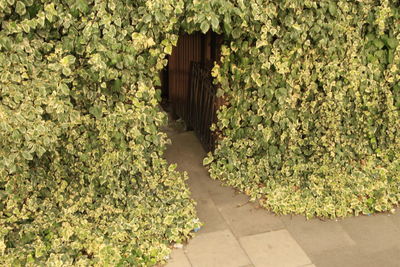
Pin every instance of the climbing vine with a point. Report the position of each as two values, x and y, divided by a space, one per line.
311 125
82 178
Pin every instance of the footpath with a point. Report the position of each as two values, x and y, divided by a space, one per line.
238 233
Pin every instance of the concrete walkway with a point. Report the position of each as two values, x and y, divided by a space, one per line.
237 233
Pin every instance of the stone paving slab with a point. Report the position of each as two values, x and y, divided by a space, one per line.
359 241
224 196
178 259
210 216
395 218
373 233
387 258
356 257
216 249
196 188
315 236
273 249
249 219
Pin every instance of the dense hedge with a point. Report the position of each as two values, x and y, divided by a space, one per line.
82 178
312 125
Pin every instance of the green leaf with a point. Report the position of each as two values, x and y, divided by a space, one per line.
168 49
227 24
96 111
116 86
67 60
20 8
64 89
26 27
215 23
82 6
392 43
50 11
27 155
207 160
67 71
282 92
147 18
390 56
332 8
236 33
378 43
205 26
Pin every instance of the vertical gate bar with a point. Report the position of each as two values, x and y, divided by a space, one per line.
209 115
201 103
212 119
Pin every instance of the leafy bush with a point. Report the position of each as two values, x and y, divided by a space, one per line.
82 178
311 126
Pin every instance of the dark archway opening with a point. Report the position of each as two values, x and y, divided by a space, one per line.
187 88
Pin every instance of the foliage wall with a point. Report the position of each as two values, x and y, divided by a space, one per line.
83 181
312 124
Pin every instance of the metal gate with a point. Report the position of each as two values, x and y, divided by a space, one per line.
202 104
191 92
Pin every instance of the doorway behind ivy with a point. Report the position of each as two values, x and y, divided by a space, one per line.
188 92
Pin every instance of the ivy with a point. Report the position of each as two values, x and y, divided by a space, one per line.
82 177
312 122
310 126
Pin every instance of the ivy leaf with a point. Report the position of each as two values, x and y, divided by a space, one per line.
68 60
64 89
168 49
227 24
147 18
20 8
207 160
392 43
116 85
236 33
26 155
214 22
26 27
67 71
82 6
332 8
96 111
390 56
282 92
205 26
378 43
